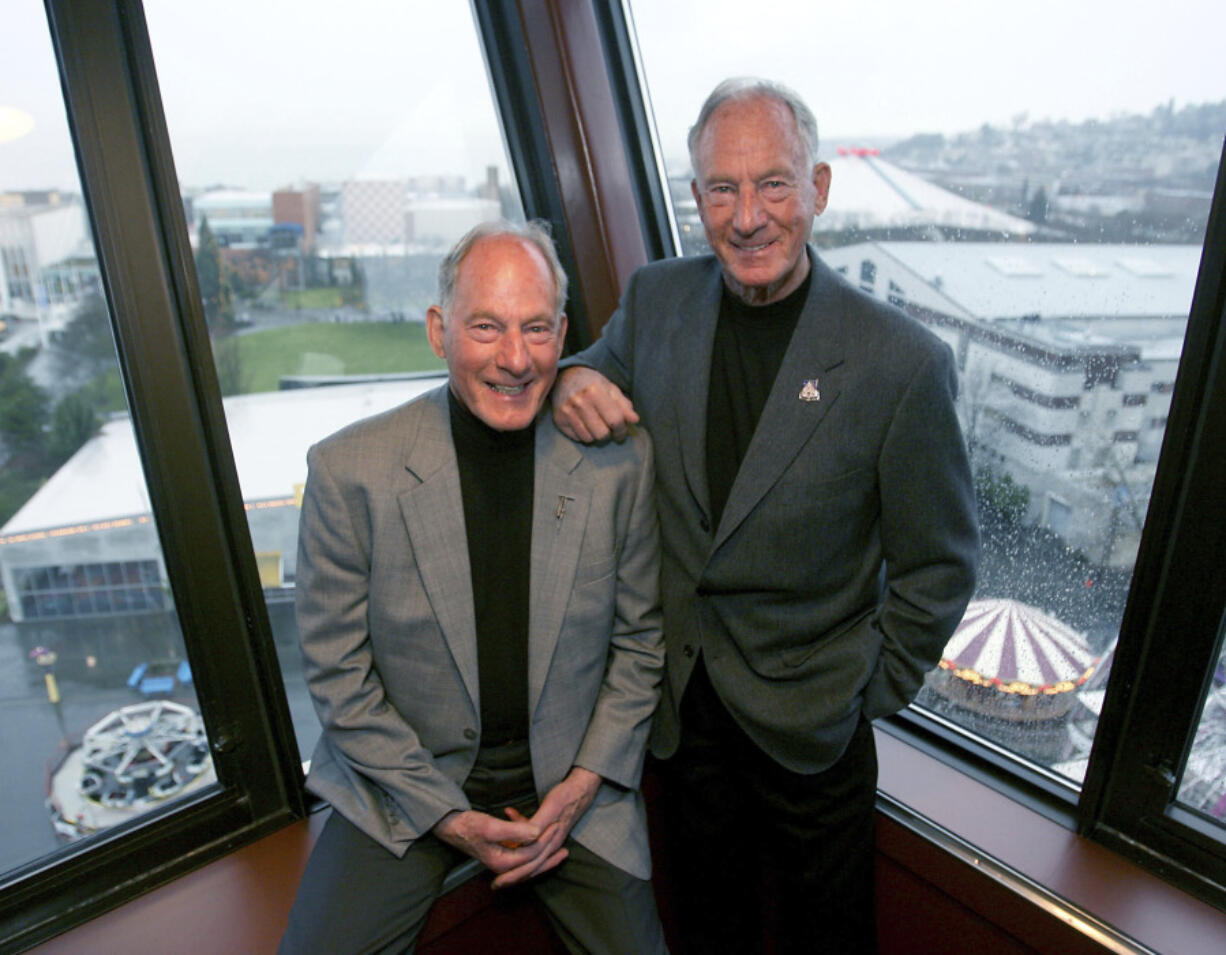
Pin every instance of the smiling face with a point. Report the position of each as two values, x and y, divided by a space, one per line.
757 197
500 338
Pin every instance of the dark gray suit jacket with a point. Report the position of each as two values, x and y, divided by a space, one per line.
845 555
385 615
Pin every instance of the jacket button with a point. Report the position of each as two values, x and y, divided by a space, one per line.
704 524
470 734
688 649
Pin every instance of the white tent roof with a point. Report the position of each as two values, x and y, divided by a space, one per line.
867 192
1017 648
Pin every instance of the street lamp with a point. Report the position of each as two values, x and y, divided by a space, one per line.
46 658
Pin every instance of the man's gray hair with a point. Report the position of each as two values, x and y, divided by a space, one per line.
751 87
536 232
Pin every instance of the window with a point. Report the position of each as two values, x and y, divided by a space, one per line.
1036 229
868 274
87 590
87 607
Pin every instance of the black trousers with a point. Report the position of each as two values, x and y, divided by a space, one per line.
355 896
762 859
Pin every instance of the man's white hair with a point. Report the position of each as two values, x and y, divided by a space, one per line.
751 87
536 232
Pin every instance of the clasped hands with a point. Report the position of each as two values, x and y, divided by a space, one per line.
518 848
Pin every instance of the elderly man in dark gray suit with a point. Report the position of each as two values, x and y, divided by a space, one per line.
479 616
818 531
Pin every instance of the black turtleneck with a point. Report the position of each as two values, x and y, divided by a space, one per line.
496 476
750 341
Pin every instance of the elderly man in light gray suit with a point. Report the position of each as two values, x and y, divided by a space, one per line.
478 609
818 532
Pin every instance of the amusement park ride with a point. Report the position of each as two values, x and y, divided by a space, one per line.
132 759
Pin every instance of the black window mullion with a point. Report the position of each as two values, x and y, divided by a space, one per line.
511 84
131 190
659 231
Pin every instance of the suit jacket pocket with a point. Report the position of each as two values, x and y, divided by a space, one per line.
590 571
801 656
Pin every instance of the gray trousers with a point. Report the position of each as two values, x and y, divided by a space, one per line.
355 896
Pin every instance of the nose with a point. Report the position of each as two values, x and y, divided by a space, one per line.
748 214
513 354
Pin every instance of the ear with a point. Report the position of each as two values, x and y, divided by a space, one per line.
695 193
561 333
821 183
434 330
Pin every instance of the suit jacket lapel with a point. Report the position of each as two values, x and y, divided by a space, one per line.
432 508
559 517
815 353
692 342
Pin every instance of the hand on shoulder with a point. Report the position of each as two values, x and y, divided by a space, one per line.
587 407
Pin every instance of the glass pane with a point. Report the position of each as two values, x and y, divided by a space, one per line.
1018 186
1203 784
99 725
326 165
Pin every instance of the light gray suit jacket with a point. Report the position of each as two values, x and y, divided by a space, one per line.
845 554
385 614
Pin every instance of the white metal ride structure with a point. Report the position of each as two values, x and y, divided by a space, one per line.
142 753
129 761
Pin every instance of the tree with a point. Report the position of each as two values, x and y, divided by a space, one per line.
232 377
23 406
355 292
87 344
1037 212
214 283
72 424
1000 495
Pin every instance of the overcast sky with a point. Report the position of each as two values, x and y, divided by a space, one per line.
261 94
872 68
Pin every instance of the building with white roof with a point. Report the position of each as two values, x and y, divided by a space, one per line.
85 545
871 195
47 261
1068 355
398 216
871 198
238 217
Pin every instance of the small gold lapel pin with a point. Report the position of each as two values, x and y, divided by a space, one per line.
809 392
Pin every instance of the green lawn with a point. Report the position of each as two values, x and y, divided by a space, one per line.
357 348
